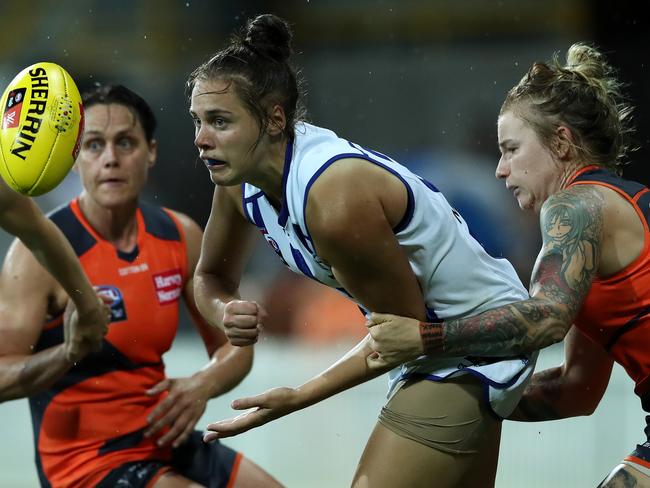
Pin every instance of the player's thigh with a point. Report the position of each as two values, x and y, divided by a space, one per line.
392 461
174 480
250 475
626 476
433 432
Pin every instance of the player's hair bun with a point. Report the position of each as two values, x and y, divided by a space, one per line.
269 35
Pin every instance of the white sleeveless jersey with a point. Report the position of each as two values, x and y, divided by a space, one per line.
457 277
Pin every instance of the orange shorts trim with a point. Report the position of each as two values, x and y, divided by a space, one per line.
235 470
636 460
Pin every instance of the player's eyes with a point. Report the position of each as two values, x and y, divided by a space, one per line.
94 145
125 143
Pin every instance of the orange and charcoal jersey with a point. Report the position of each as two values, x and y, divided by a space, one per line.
93 419
616 311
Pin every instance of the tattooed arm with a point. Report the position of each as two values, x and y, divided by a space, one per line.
574 388
572 227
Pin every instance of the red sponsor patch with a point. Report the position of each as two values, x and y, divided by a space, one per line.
168 285
14 106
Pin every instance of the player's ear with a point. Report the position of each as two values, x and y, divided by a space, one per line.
563 143
277 121
153 152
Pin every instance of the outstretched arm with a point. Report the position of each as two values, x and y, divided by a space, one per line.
29 295
20 216
572 228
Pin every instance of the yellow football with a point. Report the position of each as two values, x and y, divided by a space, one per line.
42 125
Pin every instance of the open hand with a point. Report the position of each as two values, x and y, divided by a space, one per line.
263 408
179 410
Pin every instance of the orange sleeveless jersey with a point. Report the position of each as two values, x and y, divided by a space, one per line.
616 312
93 419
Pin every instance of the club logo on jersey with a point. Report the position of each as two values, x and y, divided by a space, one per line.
113 296
274 245
168 285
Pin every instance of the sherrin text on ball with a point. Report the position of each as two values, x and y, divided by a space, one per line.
42 125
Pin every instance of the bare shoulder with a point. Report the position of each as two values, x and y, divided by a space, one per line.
352 189
27 288
192 230
187 222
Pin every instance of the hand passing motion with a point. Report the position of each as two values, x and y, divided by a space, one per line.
263 408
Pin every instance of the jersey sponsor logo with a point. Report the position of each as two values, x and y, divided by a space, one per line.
137 268
113 296
168 285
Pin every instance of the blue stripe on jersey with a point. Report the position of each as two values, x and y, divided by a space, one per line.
257 214
374 153
410 208
468 368
301 263
284 210
410 205
252 201
431 315
429 185
304 240
246 200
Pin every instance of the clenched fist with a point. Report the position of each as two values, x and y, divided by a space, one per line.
242 322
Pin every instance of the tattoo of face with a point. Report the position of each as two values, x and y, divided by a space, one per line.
572 227
571 223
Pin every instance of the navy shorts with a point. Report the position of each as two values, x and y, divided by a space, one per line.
211 465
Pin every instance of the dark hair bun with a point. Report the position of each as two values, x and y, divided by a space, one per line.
269 35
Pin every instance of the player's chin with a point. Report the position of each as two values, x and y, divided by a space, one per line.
525 203
224 178
113 197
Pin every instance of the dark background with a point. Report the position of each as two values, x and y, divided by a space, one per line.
420 80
